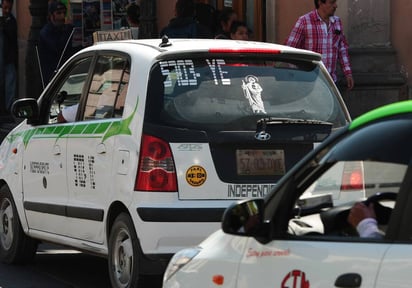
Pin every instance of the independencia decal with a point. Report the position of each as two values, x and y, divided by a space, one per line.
249 190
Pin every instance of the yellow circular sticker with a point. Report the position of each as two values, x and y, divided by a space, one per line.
196 175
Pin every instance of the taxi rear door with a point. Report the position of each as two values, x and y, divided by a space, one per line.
91 177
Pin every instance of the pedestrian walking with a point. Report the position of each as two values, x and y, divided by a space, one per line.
322 32
55 42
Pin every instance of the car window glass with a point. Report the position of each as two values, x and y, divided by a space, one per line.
70 91
223 92
323 208
108 88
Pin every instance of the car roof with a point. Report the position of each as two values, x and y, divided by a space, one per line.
166 46
393 109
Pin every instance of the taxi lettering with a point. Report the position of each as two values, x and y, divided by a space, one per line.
189 147
266 253
217 71
84 171
246 190
100 36
39 167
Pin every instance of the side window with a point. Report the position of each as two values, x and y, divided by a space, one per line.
324 207
69 93
108 88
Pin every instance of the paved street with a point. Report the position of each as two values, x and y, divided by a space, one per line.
57 267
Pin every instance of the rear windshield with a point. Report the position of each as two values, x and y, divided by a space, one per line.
227 93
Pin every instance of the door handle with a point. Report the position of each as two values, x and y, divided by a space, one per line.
101 149
56 150
349 280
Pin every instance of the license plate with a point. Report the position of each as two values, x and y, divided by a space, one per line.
260 162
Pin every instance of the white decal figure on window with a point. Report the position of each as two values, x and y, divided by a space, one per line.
253 93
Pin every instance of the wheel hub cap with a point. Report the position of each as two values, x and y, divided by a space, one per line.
6 228
5 224
123 259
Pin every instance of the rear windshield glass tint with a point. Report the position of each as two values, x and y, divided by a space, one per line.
220 92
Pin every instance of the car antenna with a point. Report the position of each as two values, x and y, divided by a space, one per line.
64 50
165 41
41 71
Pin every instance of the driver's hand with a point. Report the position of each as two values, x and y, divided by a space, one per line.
360 211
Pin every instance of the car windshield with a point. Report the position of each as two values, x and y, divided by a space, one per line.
207 92
324 206
359 167
348 181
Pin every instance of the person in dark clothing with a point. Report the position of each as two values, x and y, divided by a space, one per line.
184 25
133 14
10 53
226 17
55 42
133 18
207 15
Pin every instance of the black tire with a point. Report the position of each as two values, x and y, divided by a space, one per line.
124 253
15 246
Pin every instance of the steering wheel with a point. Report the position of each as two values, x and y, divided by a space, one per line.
383 213
335 219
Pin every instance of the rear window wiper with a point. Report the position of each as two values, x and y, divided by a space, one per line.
277 121
297 129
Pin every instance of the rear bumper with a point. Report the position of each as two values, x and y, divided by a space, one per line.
164 224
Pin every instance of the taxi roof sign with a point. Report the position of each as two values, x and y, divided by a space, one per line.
112 35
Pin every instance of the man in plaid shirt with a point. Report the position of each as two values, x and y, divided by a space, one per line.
322 32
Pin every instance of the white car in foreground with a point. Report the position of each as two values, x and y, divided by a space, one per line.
166 134
290 239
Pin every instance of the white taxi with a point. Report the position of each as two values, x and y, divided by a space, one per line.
166 134
291 240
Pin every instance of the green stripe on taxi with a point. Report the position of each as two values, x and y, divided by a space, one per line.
384 111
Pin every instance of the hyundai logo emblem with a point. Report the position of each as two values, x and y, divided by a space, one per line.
262 136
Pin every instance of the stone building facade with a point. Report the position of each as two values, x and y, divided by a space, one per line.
377 32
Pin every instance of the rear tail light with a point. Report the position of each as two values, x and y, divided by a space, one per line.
156 170
353 176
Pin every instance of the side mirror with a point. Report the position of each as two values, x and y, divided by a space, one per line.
26 108
245 218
